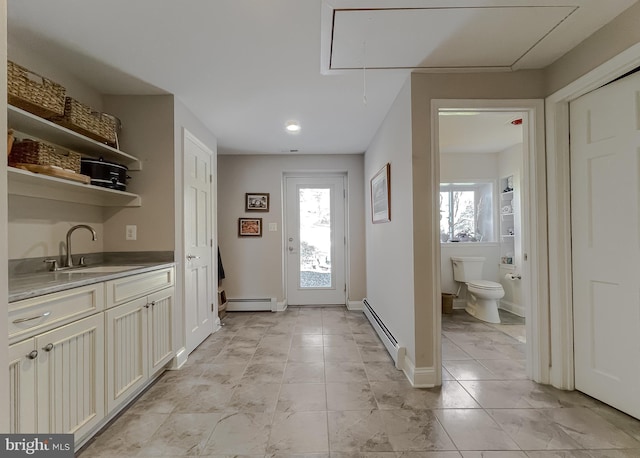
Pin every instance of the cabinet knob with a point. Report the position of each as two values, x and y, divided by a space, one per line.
48 347
153 303
33 354
146 306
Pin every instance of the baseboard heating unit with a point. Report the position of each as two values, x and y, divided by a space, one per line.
396 351
264 304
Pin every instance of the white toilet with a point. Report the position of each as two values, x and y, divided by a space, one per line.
484 295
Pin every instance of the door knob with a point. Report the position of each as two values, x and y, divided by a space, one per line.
191 257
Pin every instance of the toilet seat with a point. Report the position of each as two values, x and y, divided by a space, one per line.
485 285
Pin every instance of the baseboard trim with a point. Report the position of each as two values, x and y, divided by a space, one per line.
178 361
516 309
354 305
419 377
281 306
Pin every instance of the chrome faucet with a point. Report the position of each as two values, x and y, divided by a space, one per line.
79 226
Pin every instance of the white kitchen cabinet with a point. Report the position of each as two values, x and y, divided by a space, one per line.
22 387
57 379
139 343
24 183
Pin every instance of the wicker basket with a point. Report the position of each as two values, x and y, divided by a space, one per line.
83 119
34 93
34 152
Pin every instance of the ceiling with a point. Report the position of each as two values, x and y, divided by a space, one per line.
246 67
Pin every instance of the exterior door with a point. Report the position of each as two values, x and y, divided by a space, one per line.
199 272
315 240
605 147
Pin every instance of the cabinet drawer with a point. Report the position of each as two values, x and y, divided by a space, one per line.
128 288
32 316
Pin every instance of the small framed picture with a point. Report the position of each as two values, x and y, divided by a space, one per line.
381 195
256 202
249 227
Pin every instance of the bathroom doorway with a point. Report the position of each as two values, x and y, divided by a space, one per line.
478 145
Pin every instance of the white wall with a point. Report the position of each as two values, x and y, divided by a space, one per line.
468 167
390 249
147 134
254 267
4 332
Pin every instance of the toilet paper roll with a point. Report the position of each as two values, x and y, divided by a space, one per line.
512 276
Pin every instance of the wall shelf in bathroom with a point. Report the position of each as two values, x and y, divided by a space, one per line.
25 183
507 235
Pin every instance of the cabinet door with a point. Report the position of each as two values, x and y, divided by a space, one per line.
71 377
22 387
160 329
126 350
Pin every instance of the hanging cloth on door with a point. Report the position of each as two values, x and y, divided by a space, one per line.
220 268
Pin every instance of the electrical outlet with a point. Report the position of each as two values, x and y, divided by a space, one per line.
131 232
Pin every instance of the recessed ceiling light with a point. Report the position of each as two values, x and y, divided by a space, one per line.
293 126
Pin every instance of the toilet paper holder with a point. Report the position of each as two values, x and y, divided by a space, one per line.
513 277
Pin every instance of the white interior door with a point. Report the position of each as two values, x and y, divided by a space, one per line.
315 240
605 144
199 271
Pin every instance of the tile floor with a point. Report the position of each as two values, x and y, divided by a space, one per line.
316 382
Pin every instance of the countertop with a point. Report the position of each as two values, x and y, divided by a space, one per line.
25 286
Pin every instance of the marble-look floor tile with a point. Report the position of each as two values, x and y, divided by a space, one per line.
357 431
337 340
301 397
400 395
516 394
491 337
240 434
307 340
304 373
344 353
415 431
494 454
429 455
344 372
126 436
270 355
223 373
307 354
204 397
632 453
182 434
506 369
369 338
468 370
474 429
451 351
446 375
374 353
261 397
383 372
589 429
268 372
350 396
299 432
620 420
562 454
532 430
308 328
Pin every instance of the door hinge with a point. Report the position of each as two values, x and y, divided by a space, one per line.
345 287
211 243
210 178
212 307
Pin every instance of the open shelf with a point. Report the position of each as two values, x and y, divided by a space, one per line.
25 183
37 127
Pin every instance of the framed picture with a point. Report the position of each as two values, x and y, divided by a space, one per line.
249 227
381 195
256 202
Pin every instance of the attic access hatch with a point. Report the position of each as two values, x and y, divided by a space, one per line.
438 35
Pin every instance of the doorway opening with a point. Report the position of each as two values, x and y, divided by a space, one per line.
494 219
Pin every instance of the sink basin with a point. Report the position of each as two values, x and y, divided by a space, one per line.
101 269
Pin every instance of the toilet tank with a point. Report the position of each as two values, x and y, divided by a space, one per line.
467 268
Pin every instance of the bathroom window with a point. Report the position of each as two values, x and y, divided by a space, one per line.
466 212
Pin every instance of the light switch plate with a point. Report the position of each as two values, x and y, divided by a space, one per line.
273 227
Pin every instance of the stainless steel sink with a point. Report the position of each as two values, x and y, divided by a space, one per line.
101 269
